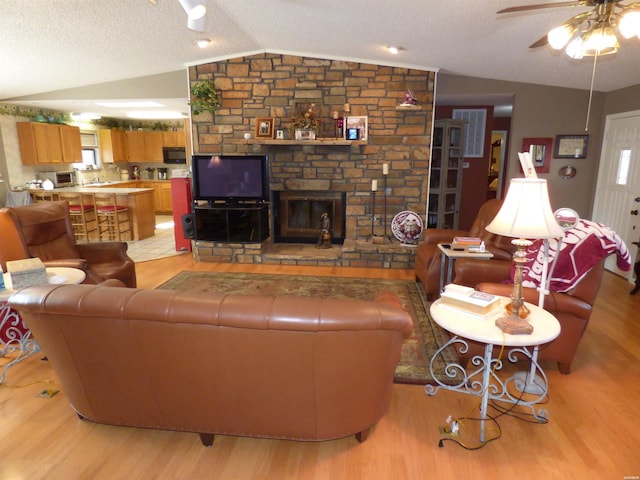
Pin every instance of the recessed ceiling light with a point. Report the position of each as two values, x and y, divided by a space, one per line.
394 50
156 115
203 42
85 116
130 104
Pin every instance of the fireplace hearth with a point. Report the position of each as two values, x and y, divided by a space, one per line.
297 215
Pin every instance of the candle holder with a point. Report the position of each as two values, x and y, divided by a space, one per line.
373 212
384 186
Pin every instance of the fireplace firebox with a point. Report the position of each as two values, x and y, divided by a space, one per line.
297 215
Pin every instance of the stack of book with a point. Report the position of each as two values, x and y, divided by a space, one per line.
472 244
468 299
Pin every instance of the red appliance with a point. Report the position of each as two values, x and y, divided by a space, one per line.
181 200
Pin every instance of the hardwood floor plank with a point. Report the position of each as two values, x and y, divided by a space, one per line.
592 431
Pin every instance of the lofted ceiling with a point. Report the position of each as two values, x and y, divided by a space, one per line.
68 54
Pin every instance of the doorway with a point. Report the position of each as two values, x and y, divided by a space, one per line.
617 199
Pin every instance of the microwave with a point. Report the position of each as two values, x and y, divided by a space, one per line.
59 179
174 155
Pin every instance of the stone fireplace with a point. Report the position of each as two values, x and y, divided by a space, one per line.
272 86
297 215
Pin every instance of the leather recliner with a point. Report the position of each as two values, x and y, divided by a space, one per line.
427 266
572 309
44 230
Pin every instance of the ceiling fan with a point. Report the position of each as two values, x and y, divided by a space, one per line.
591 33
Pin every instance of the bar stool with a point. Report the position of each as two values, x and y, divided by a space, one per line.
42 196
113 219
83 214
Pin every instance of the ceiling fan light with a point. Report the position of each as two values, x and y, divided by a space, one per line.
629 24
574 48
601 40
560 36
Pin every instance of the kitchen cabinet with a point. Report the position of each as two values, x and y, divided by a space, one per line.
71 146
173 139
445 176
113 145
144 146
48 143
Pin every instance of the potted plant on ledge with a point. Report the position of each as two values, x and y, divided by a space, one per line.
204 97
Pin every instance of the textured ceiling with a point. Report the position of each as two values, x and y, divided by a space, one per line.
52 45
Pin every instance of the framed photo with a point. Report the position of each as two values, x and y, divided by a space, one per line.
571 146
280 134
264 127
540 151
357 122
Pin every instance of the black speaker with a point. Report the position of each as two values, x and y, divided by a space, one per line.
189 225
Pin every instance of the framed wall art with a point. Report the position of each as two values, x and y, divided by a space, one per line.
540 151
264 127
571 146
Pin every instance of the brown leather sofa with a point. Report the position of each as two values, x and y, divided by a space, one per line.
296 368
572 309
44 230
427 266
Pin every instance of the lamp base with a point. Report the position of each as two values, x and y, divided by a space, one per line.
514 325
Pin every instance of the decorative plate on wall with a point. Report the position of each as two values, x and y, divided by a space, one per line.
567 172
407 226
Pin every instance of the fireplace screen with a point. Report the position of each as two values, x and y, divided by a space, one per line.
298 215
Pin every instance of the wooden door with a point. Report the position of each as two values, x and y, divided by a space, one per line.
617 199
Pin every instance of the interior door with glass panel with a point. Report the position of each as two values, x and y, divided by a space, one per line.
617 199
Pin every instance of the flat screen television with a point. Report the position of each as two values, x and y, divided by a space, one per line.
230 178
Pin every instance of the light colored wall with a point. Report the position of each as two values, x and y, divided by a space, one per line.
542 111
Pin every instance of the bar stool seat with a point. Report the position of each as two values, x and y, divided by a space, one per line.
113 219
83 214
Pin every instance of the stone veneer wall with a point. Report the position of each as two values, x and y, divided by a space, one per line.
270 85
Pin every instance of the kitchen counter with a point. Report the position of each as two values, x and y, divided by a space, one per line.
139 201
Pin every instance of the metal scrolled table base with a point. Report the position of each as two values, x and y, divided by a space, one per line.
14 341
483 381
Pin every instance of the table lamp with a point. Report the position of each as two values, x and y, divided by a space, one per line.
525 214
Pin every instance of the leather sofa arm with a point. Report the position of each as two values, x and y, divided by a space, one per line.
103 252
472 271
79 263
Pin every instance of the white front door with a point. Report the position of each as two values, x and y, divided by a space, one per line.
617 200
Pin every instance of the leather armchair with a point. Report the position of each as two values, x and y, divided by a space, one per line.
44 230
572 309
427 266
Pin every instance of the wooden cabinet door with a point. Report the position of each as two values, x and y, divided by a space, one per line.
173 139
153 144
26 139
144 146
70 142
48 142
136 150
113 145
164 204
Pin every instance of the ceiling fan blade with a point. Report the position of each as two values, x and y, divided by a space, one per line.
541 42
524 8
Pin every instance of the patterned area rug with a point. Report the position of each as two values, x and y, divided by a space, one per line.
417 350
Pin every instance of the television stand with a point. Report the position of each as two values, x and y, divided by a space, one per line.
232 222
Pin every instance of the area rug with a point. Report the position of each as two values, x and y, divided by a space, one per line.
417 350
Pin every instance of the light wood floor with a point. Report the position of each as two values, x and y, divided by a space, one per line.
593 432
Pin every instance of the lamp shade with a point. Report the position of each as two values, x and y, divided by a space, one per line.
526 212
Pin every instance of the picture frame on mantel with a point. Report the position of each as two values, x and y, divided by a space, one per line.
571 146
540 151
264 127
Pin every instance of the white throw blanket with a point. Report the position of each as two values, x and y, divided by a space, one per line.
582 247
